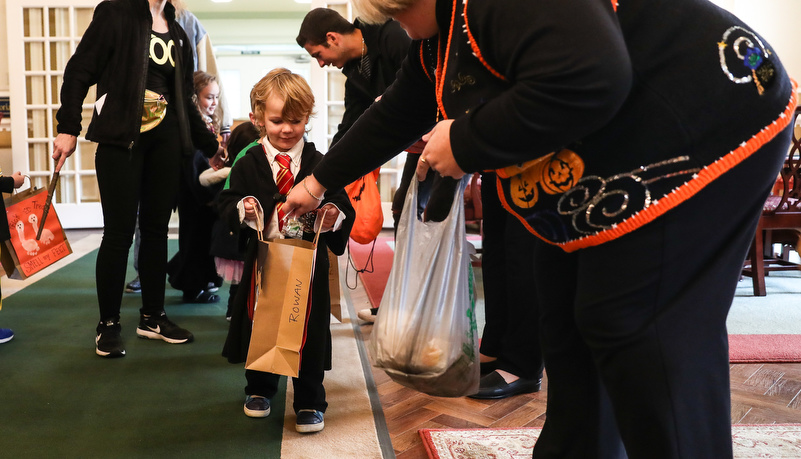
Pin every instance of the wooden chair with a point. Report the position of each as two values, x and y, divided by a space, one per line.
780 222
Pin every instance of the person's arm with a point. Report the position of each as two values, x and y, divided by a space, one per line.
569 72
6 184
405 112
229 198
202 138
337 240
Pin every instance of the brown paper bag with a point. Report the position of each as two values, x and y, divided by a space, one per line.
283 301
333 285
23 255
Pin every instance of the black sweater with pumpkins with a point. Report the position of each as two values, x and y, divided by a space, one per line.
647 99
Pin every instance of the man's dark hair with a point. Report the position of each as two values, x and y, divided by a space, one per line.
318 22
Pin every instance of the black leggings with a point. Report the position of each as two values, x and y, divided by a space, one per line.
145 177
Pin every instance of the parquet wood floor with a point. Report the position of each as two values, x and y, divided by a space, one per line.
761 394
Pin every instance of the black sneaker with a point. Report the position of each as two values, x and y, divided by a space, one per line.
160 327
204 297
108 342
257 406
134 286
309 421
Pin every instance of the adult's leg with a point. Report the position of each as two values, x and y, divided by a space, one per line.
510 305
161 152
118 178
580 423
493 272
652 308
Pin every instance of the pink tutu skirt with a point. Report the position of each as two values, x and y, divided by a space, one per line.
230 270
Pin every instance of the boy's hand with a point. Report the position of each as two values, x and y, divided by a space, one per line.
19 179
251 206
331 215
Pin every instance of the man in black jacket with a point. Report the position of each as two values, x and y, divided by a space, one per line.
369 57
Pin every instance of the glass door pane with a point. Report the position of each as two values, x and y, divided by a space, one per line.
41 40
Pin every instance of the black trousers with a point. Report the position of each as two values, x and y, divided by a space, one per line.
146 178
192 268
510 303
634 330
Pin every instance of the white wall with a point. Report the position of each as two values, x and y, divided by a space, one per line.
778 22
240 72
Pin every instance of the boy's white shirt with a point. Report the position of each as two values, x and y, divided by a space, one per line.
271 152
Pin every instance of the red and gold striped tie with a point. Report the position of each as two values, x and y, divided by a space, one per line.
284 179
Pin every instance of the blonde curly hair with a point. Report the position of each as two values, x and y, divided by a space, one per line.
291 87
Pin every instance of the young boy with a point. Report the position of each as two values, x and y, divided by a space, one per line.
282 103
7 185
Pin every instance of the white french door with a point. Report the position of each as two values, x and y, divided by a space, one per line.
42 35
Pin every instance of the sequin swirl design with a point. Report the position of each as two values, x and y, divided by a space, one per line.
596 203
754 55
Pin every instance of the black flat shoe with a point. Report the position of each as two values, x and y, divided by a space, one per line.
493 386
203 297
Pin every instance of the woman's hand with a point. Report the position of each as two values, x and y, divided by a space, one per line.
437 154
300 200
331 215
63 147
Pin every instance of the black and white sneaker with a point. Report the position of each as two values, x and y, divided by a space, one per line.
309 421
108 342
257 406
134 286
158 326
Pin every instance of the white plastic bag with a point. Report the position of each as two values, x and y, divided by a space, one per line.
425 336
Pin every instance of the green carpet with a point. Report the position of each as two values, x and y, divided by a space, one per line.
59 399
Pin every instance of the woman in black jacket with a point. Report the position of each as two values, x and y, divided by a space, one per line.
135 52
651 132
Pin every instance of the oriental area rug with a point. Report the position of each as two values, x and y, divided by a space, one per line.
749 442
59 399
